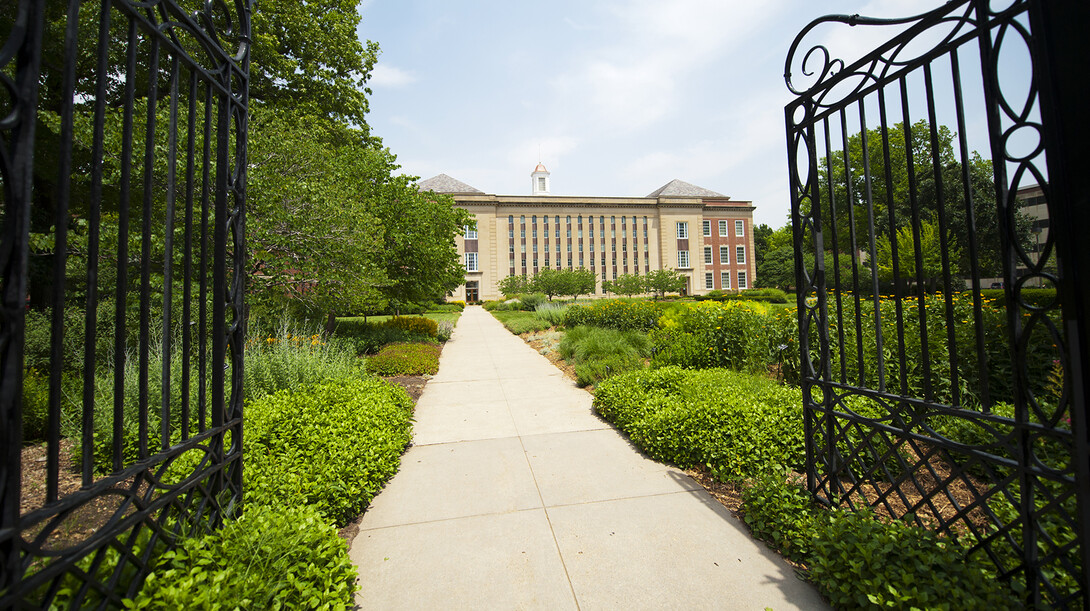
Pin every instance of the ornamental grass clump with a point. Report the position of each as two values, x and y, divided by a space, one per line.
598 353
291 358
405 359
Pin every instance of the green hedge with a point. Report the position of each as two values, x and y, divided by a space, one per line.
405 359
332 445
620 314
519 322
860 562
738 425
369 337
273 557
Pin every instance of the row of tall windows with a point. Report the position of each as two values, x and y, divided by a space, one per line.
724 280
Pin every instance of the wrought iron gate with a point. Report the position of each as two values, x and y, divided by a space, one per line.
927 396
123 134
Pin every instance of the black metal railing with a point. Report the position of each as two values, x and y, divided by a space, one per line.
123 128
928 396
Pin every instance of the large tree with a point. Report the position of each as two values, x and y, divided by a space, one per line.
912 160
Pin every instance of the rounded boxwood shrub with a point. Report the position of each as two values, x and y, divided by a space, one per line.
332 445
405 359
273 557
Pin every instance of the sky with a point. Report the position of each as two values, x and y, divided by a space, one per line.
615 97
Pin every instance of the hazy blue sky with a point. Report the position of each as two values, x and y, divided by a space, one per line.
619 96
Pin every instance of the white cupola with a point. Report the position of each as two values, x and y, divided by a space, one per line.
540 177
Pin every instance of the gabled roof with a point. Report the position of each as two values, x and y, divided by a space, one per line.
445 184
680 188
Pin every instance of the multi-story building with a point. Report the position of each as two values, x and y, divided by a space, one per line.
707 236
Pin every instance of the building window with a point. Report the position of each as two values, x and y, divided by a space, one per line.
558 231
707 255
723 228
569 246
471 262
741 255
683 231
707 227
739 228
522 220
724 255
535 246
742 280
725 280
709 280
683 258
522 232
540 183
471 234
569 233
523 245
533 232
546 247
580 233
592 246
568 219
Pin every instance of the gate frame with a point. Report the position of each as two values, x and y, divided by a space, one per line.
1060 48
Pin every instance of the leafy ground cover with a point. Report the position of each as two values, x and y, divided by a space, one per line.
405 359
519 322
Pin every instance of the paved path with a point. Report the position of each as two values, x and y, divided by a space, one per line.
516 496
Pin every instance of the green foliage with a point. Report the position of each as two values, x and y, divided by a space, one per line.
332 445
620 314
598 353
414 324
445 331
860 562
370 337
518 322
553 282
771 295
780 514
1040 298
405 359
512 286
35 404
932 249
291 359
629 284
739 426
663 281
741 335
273 557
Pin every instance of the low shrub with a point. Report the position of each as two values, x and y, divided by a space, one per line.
452 306
620 314
739 426
332 445
770 295
405 359
598 353
414 324
272 557
858 561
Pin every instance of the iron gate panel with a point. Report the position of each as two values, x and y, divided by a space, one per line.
122 320
927 398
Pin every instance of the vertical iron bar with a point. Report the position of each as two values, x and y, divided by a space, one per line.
60 254
871 230
187 283
145 239
14 253
850 203
902 361
202 306
970 216
836 248
123 213
168 253
940 211
90 316
921 305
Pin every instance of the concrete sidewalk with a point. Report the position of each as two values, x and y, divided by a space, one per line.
516 495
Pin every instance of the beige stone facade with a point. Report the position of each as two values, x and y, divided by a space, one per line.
706 236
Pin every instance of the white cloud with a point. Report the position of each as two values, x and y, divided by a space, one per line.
384 76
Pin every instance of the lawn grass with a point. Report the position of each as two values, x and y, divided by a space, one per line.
519 322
